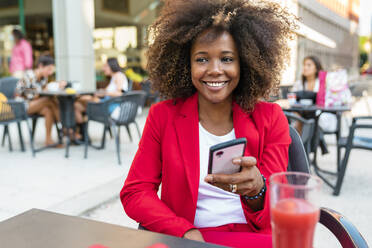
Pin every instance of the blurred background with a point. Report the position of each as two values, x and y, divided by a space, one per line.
82 34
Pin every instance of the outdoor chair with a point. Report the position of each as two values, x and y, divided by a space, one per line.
13 111
8 87
128 107
308 129
349 143
130 85
151 97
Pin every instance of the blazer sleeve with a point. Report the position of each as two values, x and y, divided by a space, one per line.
274 158
139 194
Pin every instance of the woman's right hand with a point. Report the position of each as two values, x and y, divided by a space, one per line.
194 234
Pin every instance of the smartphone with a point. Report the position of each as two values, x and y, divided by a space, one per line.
221 156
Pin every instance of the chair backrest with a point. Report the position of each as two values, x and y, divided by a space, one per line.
8 86
139 97
297 157
130 85
129 104
308 129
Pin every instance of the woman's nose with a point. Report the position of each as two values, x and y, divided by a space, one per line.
215 67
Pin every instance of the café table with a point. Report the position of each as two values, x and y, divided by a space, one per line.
38 229
317 111
66 108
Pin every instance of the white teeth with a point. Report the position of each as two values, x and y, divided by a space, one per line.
216 84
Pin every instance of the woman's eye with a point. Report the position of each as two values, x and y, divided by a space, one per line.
227 59
201 60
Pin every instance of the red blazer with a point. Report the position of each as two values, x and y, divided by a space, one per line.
168 153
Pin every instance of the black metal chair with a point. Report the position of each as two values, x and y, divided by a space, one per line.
152 97
130 85
308 129
8 87
15 112
129 104
128 107
349 143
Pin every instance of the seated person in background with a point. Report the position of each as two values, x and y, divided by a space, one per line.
118 81
310 73
213 61
28 87
308 88
118 84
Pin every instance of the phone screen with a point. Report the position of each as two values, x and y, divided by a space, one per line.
221 156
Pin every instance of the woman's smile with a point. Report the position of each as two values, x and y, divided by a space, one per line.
215 85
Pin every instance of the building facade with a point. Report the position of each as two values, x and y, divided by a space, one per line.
332 33
82 34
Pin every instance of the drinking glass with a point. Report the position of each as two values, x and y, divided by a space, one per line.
294 209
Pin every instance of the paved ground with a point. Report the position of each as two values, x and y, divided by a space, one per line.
50 181
90 187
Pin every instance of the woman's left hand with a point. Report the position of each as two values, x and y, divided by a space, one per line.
248 181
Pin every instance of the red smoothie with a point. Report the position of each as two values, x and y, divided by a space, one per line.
293 223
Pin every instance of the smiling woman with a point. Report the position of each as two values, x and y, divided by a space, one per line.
214 60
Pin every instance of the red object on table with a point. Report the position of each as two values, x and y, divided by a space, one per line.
159 245
98 246
294 223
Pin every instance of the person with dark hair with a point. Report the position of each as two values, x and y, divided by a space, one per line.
310 73
213 62
28 87
21 59
118 81
118 84
308 88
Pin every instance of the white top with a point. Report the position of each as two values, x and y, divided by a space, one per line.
112 87
215 207
298 86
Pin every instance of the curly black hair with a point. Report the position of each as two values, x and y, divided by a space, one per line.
260 29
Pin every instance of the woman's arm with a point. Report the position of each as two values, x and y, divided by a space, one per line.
139 194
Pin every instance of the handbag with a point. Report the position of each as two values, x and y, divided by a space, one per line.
337 89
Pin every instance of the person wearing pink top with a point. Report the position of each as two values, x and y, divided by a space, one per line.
21 59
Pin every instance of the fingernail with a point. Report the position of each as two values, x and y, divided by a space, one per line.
208 178
237 160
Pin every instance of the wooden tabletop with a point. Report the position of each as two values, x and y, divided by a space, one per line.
38 229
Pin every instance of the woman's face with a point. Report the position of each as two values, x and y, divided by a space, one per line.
107 70
309 68
47 70
215 68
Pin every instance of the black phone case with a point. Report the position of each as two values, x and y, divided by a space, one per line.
221 146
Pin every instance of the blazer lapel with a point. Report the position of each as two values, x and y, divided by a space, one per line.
245 127
187 129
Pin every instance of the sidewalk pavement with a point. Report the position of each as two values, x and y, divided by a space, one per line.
90 187
70 186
